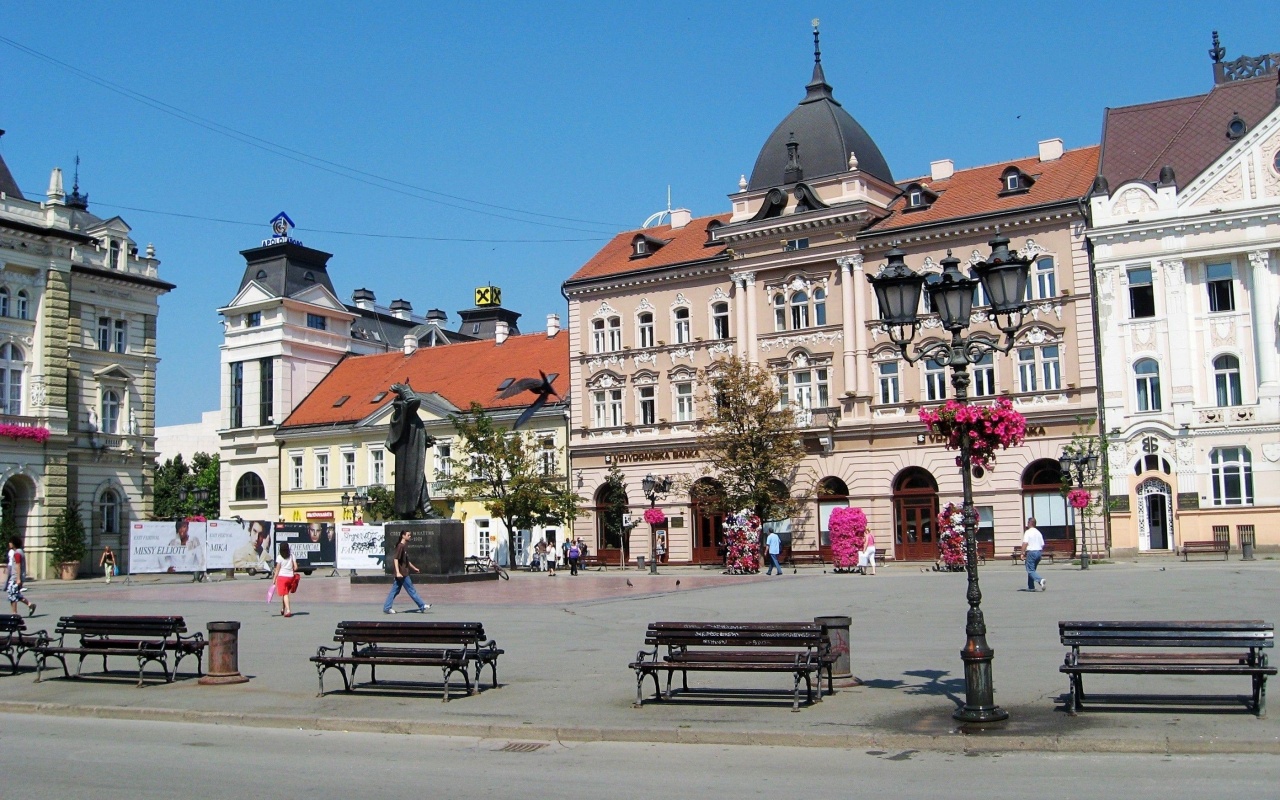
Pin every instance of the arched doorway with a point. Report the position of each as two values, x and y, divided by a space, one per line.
781 523
915 514
1043 499
832 493
1155 515
707 501
16 501
610 505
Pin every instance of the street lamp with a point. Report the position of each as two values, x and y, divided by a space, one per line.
358 500
1080 467
197 496
1003 276
652 487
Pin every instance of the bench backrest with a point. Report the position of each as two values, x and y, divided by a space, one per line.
121 627
1170 634
409 632
12 623
793 635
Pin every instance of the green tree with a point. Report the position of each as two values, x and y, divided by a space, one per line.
613 504
752 446
381 505
175 475
500 470
66 544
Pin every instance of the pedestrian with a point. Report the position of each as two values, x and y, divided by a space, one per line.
403 566
774 545
108 562
551 559
15 577
574 554
285 575
539 555
1032 550
661 548
867 556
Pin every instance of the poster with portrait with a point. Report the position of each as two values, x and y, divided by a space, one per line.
239 544
221 537
175 546
360 547
310 543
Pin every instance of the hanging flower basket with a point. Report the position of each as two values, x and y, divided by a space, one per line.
848 537
742 540
951 538
654 516
1079 499
20 432
990 427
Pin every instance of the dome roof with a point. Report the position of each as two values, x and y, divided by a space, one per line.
825 133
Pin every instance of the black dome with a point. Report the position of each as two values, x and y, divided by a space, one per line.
825 133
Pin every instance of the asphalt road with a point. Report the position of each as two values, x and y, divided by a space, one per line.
50 757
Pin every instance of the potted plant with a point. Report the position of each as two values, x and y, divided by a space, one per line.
66 544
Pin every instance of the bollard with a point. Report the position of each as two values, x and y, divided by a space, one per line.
838 634
224 654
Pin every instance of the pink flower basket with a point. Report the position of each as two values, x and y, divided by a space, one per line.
24 432
848 536
654 516
951 538
1079 498
742 540
990 427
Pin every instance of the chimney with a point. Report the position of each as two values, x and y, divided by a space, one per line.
553 325
1050 150
363 299
437 316
410 344
401 309
680 217
55 193
942 169
500 331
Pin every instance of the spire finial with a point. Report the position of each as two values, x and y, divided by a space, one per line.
817 50
1217 52
75 185
817 88
77 200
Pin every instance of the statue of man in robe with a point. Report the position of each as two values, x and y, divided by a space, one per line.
408 440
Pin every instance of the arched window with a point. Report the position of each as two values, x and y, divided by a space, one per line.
610 506
799 310
832 493
720 321
1042 498
1147 375
1044 282
682 332
644 330
779 312
11 369
4 301
819 307
1232 469
606 335
109 511
110 412
250 487
21 309
1226 377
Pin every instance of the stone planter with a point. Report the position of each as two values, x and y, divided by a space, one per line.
68 570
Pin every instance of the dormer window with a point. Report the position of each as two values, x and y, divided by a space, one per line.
113 250
1236 127
915 198
1015 181
641 248
712 226
918 197
643 245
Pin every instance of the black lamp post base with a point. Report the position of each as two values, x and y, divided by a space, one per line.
980 716
979 703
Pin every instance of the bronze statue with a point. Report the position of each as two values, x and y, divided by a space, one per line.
408 440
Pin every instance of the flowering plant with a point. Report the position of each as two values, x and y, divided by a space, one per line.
848 536
1079 498
989 427
35 434
742 539
654 516
951 538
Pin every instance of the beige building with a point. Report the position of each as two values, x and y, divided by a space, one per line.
781 281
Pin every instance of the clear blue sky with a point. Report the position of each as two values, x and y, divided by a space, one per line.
570 109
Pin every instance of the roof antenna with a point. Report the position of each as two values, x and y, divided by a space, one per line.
656 218
77 200
817 51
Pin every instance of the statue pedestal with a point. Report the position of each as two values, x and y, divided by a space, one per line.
436 549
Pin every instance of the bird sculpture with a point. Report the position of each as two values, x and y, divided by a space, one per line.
539 386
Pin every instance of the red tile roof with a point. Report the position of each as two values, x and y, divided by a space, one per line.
976 191
1187 133
686 244
460 373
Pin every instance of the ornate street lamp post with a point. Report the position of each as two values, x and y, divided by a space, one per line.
1080 467
358 500
652 488
1003 276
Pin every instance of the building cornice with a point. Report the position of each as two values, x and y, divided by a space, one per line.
679 271
123 277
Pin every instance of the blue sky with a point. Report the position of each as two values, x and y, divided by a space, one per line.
583 113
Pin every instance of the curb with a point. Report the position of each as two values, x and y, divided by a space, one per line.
956 743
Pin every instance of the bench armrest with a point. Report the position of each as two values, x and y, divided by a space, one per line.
196 638
647 655
339 649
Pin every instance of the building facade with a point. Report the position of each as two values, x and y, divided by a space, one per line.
1185 230
78 309
781 282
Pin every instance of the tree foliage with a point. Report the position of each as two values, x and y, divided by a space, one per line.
752 447
381 505
66 543
612 505
176 474
499 469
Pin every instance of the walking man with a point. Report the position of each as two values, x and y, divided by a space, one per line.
403 566
15 574
1032 549
774 545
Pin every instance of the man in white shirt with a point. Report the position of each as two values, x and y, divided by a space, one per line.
774 545
1032 549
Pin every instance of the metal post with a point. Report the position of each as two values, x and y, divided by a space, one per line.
653 538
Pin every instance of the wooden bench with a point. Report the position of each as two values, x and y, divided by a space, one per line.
147 639
593 561
799 648
1237 649
1210 546
1053 550
451 646
16 641
794 559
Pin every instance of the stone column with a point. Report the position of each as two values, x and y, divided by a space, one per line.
861 350
1264 303
753 340
847 291
739 316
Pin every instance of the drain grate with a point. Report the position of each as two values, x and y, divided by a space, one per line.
522 747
